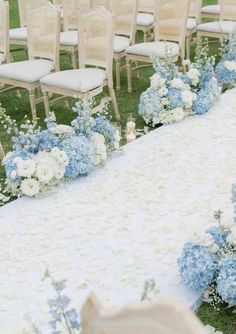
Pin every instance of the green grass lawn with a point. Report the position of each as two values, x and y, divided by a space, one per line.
128 103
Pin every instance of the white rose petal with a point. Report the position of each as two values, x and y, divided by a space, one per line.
30 187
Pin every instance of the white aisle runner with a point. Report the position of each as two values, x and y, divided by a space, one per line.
123 224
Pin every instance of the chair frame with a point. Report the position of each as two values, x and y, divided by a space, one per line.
5 49
146 30
189 33
2 153
146 59
32 87
49 90
217 35
209 16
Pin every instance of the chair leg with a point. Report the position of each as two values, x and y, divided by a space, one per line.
46 103
118 74
74 60
2 154
128 68
188 46
114 103
145 36
33 104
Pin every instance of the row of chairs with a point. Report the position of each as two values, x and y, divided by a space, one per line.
44 36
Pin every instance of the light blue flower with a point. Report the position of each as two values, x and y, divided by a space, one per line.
226 281
203 102
81 156
11 167
198 266
219 235
175 98
150 106
104 127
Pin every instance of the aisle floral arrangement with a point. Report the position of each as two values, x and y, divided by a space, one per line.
40 159
208 262
226 68
174 95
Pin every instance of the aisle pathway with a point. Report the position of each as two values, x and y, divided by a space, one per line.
123 224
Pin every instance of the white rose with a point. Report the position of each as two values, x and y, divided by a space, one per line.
60 156
193 74
178 114
98 142
44 173
163 91
25 168
178 83
30 187
59 173
187 98
157 81
62 129
230 65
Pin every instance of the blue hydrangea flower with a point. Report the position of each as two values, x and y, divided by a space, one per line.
225 76
175 98
203 102
207 74
198 266
226 281
219 235
83 123
45 140
104 127
150 106
80 154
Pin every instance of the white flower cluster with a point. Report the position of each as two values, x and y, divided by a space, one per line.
230 65
43 170
63 130
98 142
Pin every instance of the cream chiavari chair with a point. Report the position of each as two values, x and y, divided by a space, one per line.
160 317
170 34
125 12
2 153
145 17
104 3
4 33
96 36
222 28
69 37
211 11
18 36
43 23
192 23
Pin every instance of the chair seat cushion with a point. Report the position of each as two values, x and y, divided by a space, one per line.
145 19
121 43
2 58
224 27
26 71
191 23
82 80
18 34
69 38
154 48
211 9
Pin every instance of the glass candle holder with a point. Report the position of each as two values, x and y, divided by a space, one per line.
130 129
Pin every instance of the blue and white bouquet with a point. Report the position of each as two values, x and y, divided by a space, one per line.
174 95
208 262
40 159
226 68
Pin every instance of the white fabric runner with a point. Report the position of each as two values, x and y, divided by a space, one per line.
123 224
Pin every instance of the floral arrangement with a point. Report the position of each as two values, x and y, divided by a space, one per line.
40 159
173 95
226 68
208 262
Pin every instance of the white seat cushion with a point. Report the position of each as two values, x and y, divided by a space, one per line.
154 48
2 58
121 43
69 38
26 71
225 27
82 80
211 9
18 34
191 23
145 19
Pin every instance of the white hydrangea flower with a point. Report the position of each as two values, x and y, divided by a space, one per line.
163 91
60 156
63 130
193 74
98 142
188 97
230 65
165 101
30 187
178 84
232 236
157 81
25 168
44 173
